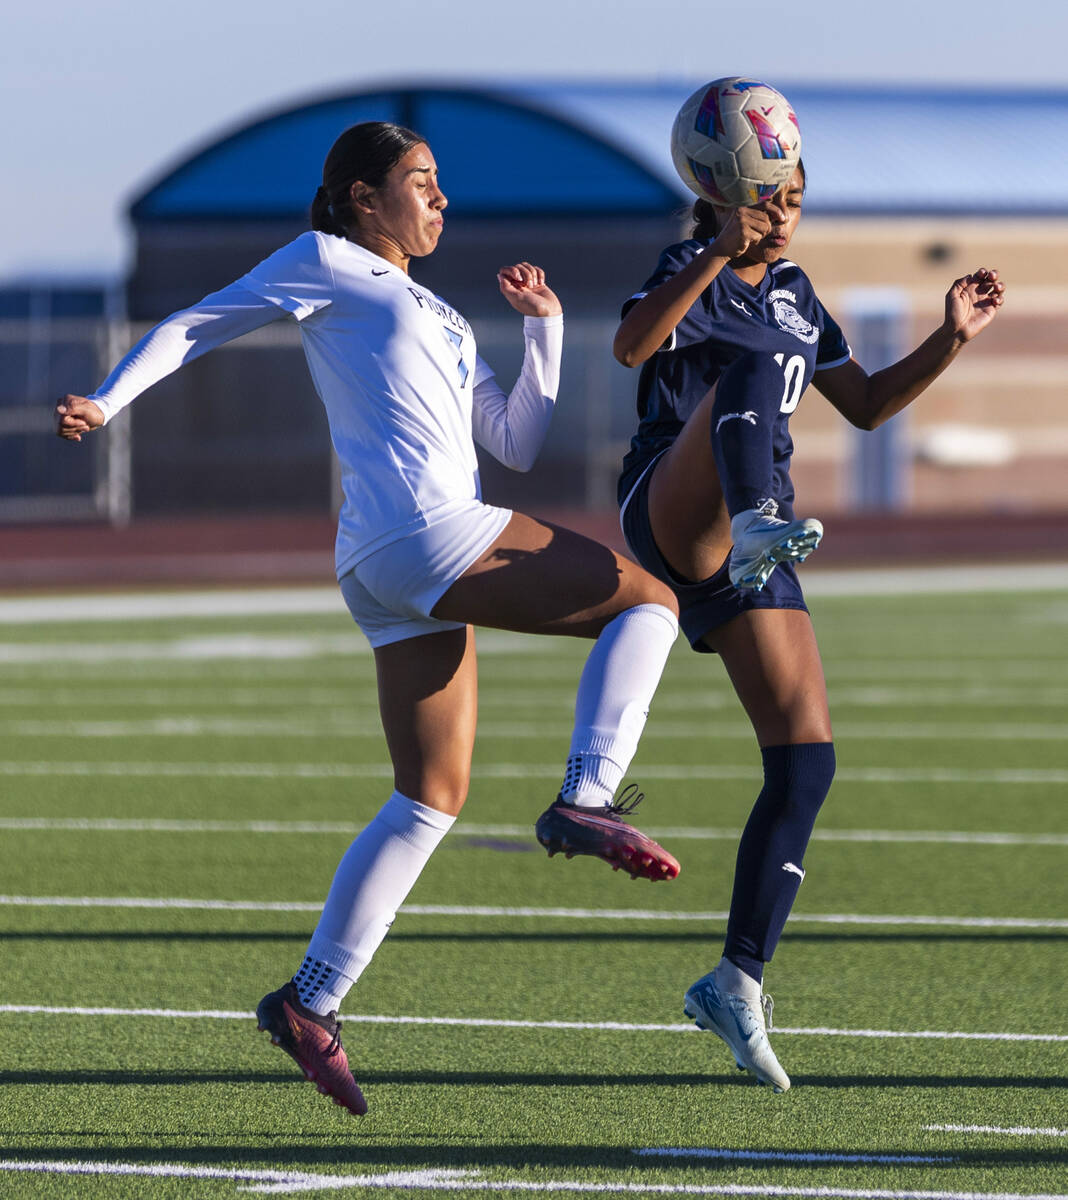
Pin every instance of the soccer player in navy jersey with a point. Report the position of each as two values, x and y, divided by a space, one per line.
728 334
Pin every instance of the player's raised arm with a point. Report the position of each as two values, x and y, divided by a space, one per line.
513 427
868 400
649 322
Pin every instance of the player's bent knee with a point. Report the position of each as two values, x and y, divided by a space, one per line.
447 802
443 793
812 768
647 589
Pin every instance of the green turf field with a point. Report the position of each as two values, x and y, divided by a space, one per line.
176 793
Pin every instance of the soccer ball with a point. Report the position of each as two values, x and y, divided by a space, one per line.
735 142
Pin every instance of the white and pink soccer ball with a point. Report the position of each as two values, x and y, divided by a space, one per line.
735 142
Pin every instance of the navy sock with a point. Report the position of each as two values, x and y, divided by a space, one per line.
748 397
770 867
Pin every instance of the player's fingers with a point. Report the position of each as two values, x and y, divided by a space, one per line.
519 275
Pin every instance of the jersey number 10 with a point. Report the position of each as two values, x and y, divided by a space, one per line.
794 371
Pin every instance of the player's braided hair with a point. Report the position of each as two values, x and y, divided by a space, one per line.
364 152
706 218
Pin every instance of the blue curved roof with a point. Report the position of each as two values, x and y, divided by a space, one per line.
598 148
499 155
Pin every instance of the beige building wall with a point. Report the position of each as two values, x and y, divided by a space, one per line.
992 433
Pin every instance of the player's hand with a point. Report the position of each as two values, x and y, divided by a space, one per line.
525 289
76 415
973 302
744 227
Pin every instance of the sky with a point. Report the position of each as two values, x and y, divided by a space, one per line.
99 99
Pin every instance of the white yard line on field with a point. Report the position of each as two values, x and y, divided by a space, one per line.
255 1180
556 672
500 1023
285 694
452 1180
1011 1130
207 647
470 830
166 606
1040 776
539 914
793 1156
338 721
312 601
210 646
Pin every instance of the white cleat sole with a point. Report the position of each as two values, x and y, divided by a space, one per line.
798 543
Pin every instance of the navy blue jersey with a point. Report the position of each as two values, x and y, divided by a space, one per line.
781 315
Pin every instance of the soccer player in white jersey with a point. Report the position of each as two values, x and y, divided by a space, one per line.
728 333
420 558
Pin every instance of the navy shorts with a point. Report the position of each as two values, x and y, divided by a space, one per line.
712 602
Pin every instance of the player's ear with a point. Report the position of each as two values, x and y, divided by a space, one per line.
362 196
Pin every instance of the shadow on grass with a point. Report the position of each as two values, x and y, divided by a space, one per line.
356 1151
556 1079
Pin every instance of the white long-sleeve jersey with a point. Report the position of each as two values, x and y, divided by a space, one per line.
405 392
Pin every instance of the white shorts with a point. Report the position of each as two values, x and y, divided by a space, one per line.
390 593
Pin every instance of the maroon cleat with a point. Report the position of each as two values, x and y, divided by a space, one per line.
602 833
314 1044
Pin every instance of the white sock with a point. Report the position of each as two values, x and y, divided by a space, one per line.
372 880
733 979
320 986
614 694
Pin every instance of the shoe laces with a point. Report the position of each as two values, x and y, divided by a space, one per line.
628 801
335 1042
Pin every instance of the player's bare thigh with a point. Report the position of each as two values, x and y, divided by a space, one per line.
541 578
687 511
774 664
428 699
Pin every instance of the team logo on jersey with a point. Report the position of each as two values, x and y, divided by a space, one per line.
792 321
